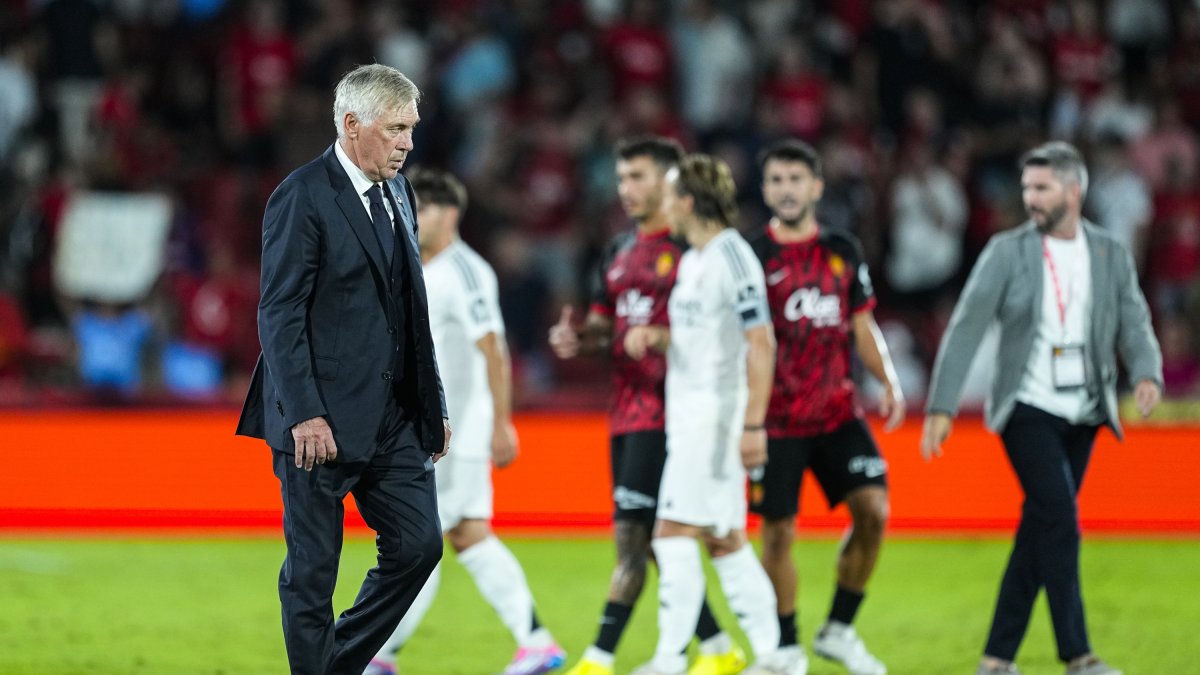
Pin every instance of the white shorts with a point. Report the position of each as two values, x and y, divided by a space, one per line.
464 489
704 483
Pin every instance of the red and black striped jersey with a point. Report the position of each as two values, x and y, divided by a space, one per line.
813 288
632 286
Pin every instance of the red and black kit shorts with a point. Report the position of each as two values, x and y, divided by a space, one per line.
637 467
842 461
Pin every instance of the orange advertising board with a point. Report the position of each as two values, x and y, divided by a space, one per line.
179 469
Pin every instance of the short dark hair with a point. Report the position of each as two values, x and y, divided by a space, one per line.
665 152
791 150
1062 158
710 183
438 187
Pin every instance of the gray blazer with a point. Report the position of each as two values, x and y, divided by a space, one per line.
1006 286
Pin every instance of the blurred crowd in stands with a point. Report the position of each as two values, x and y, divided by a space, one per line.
920 109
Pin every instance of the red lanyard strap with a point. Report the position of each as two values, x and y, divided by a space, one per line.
1058 295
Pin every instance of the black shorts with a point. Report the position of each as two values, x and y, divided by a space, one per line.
842 460
637 467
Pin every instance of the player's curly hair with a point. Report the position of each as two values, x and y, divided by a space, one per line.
710 183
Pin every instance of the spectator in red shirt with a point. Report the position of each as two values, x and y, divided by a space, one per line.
798 90
261 63
638 51
1175 239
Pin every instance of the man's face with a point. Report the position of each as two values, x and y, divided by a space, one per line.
640 187
1046 197
433 220
790 190
673 206
381 147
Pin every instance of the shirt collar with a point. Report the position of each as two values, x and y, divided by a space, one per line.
357 178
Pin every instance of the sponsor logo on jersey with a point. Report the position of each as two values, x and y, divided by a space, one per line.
635 307
664 264
808 303
685 311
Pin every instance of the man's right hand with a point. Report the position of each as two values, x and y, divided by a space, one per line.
314 443
564 339
937 429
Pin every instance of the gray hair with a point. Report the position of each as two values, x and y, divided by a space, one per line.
1063 159
368 91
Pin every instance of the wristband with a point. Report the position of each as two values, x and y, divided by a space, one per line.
754 427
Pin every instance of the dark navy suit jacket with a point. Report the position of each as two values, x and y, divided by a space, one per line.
328 318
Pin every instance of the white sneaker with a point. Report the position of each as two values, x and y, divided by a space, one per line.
837 641
790 660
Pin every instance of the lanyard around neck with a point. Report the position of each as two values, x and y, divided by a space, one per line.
1060 301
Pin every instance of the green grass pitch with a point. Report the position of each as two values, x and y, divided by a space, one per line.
96 606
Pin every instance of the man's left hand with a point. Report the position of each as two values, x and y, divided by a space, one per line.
504 444
445 443
1147 395
892 407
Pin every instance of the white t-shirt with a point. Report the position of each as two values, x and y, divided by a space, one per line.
464 306
1072 269
719 294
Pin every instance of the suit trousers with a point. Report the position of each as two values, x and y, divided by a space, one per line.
395 493
1050 456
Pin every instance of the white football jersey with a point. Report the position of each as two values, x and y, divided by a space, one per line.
719 294
464 306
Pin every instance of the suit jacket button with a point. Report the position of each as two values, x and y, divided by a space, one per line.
386 375
391 330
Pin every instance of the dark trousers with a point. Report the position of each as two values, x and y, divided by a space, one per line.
1049 456
396 496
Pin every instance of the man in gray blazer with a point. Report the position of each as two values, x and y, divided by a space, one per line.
1066 297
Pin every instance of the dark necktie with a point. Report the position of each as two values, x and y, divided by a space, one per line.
383 224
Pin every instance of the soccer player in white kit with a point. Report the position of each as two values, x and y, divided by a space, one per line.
468 335
720 349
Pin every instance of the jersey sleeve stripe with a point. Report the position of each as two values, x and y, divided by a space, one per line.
736 264
468 274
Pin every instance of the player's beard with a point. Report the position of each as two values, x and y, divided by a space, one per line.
1052 218
794 223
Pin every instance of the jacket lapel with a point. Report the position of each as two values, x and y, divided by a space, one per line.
406 224
1033 255
350 202
1099 264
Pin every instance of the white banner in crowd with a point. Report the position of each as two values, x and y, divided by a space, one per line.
112 246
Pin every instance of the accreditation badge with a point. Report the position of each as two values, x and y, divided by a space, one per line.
1068 367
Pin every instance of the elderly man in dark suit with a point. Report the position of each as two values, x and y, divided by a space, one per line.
346 392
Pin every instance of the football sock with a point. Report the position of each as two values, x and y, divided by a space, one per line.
717 644
751 597
598 656
502 582
787 629
412 618
680 594
845 605
612 626
706 626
